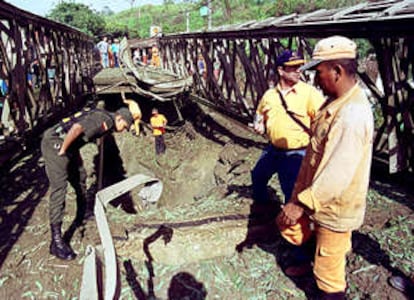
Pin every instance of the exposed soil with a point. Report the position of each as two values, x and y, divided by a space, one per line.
214 250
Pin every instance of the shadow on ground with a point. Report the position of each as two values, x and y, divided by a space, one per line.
29 179
183 285
399 186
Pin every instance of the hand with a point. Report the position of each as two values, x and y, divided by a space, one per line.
61 152
258 124
259 128
290 214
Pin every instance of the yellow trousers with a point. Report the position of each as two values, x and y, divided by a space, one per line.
330 254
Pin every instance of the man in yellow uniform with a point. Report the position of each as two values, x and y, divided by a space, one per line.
135 111
333 180
284 113
155 58
158 123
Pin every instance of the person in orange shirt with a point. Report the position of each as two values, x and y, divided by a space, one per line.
144 57
155 58
329 197
110 54
158 123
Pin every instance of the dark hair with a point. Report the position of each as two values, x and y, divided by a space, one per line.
126 115
350 65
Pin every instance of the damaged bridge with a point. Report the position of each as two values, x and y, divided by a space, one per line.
240 63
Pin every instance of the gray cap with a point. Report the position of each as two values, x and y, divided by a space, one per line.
126 115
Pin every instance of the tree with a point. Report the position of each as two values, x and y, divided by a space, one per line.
79 16
131 2
107 11
227 9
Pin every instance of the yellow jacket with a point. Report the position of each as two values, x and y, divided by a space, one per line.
135 111
155 61
333 180
303 100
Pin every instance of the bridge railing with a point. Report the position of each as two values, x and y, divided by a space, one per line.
233 65
45 69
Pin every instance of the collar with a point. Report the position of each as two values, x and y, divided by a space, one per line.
287 91
337 103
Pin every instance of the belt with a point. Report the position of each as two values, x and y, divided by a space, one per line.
289 149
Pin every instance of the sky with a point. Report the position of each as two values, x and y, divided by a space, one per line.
43 7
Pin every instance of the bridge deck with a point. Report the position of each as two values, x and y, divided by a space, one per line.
112 81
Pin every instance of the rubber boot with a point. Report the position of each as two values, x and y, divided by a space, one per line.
58 247
332 296
263 213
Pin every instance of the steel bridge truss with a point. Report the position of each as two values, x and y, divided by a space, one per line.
240 64
45 68
239 61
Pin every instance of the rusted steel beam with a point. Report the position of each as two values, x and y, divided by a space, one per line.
8 10
247 55
45 68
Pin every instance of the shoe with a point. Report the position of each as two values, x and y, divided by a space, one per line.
298 270
263 211
58 246
401 284
331 296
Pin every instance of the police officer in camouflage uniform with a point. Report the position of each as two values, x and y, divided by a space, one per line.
60 149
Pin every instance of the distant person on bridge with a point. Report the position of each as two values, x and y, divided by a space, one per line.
155 58
201 64
103 47
60 148
284 114
136 56
158 123
115 52
111 60
329 198
144 57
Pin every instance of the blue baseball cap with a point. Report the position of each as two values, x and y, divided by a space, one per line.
289 58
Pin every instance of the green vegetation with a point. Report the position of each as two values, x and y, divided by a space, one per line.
172 15
79 16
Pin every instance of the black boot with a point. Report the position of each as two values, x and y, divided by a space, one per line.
332 296
58 247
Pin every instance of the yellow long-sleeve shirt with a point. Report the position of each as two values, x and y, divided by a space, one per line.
333 180
303 100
